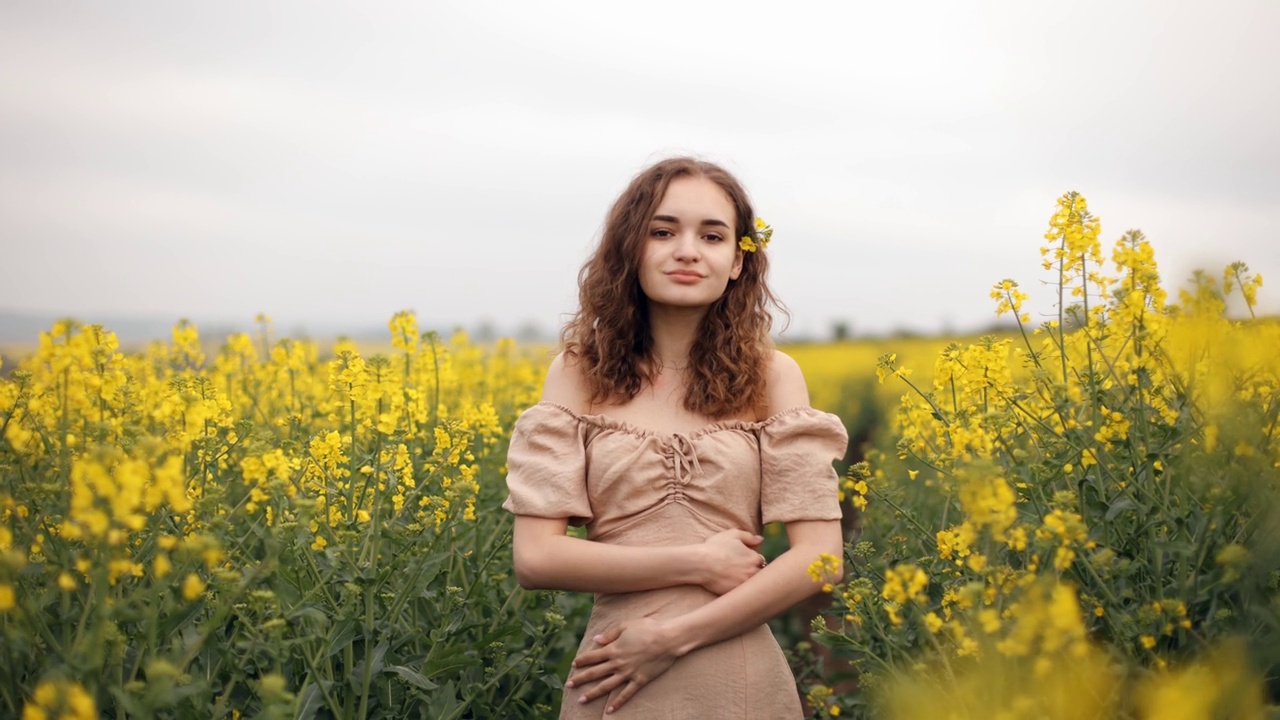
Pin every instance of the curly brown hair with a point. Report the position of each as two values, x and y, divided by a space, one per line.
610 337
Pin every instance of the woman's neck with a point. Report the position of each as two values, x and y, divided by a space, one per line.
673 331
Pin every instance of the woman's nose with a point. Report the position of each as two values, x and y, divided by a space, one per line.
686 247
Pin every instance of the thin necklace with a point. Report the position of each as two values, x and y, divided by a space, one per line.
664 366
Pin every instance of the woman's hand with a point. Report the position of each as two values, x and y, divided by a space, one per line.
627 658
731 559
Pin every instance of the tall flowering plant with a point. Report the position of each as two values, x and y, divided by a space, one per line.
1071 514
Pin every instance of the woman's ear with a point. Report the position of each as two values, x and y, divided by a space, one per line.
736 270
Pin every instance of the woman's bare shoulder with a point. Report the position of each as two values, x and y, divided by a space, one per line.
565 384
785 387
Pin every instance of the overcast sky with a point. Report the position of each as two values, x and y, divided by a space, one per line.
332 163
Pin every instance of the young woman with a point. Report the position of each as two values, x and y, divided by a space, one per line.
673 429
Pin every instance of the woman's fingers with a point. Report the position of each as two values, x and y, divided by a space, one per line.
608 636
620 669
619 698
601 689
590 657
598 654
583 675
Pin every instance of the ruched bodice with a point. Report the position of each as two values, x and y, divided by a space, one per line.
635 486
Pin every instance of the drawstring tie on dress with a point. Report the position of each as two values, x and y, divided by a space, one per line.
684 459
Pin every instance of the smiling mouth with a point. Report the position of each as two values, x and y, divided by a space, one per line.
685 275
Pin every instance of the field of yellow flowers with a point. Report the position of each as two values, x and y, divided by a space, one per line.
266 533
1078 520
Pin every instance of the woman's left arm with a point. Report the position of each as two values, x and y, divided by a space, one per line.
630 655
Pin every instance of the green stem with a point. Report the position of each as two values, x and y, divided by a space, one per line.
926 398
220 614
1062 311
497 547
435 392
320 679
906 516
368 654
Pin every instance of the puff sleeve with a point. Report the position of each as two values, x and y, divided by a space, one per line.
797 480
547 466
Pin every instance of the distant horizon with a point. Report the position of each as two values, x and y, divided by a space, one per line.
22 330
17 327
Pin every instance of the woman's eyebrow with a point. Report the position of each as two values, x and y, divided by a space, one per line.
674 219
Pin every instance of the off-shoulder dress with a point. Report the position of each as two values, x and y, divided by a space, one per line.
634 486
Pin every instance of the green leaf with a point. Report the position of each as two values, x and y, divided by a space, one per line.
342 636
411 676
310 700
450 659
1118 507
444 702
376 662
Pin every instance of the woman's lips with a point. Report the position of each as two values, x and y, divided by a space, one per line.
684 276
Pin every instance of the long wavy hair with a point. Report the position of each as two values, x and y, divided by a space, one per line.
610 337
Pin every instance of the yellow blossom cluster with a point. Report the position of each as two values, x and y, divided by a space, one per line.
1009 299
903 584
1067 532
60 700
988 501
826 571
1219 685
1073 246
818 699
854 485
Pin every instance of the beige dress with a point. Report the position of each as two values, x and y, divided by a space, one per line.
633 486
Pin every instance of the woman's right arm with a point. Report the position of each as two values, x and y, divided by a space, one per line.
547 559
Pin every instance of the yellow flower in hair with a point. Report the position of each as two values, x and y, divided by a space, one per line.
758 239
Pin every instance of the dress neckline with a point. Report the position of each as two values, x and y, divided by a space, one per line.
609 422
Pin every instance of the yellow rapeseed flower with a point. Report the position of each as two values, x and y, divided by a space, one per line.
60 700
1221 685
826 570
933 622
818 695
404 331
989 618
161 565
192 587
904 583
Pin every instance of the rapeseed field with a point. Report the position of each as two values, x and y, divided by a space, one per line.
1074 520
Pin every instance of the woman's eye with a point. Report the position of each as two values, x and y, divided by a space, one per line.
714 238
660 233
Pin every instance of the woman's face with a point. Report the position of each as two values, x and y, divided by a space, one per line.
691 251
